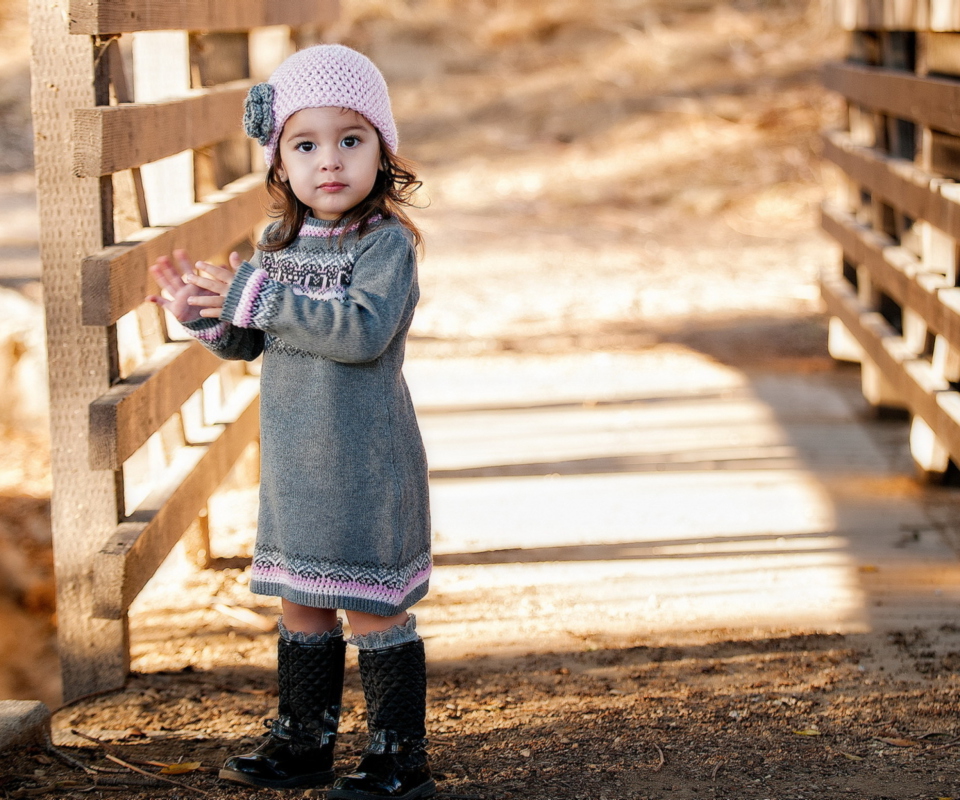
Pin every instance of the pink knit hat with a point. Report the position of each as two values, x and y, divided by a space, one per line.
318 77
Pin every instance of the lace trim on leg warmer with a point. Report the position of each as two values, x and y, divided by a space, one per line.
302 637
380 640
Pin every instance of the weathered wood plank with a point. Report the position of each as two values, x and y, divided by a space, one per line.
879 14
141 542
942 154
942 53
134 409
100 17
926 394
934 102
93 653
115 280
910 15
894 271
866 247
108 139
944 15
900 182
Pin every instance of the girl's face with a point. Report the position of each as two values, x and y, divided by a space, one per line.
330 156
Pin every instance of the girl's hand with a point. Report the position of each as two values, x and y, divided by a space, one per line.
212 284
186 294
176 292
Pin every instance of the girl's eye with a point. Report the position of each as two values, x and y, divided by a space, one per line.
304 147
350 141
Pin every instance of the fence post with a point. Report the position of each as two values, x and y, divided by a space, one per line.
76 219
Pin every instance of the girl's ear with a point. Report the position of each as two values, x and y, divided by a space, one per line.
281 173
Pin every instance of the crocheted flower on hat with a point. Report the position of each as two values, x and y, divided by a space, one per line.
258 113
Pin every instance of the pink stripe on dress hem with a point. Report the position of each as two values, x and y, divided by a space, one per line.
348 587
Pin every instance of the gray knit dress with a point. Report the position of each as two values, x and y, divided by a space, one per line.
344 511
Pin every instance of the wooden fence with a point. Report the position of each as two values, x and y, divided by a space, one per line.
894 300
139 150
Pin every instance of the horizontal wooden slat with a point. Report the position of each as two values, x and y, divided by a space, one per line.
893 268
140 543
135 408
896 272
899 182
945 15
107 139
115 280
126 16
880 14
934 102
925 394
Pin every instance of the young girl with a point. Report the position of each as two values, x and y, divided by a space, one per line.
344 518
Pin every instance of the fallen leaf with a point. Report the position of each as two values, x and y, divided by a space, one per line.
808 732
898 742
180 769
851 756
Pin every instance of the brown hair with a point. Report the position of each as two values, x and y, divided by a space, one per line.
392 192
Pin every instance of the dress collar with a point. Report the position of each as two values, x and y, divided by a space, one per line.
327 229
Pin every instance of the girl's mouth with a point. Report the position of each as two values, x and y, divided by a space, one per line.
332 187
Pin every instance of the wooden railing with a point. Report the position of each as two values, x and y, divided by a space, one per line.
895 299
139 150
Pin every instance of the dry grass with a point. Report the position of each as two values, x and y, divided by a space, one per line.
579 105
668 149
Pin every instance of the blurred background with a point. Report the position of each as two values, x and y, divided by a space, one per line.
600 177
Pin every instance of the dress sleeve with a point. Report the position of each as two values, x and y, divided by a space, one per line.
356 329
226 340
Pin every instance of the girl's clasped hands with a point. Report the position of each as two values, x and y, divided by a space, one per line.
190 292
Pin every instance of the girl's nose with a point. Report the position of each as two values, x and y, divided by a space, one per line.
330 162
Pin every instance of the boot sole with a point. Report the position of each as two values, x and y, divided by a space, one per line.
317 780
424 790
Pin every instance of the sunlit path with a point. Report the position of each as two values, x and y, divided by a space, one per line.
662 493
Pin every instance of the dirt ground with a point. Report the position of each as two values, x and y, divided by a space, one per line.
603 178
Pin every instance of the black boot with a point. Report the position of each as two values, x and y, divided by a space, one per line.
298 750
395 762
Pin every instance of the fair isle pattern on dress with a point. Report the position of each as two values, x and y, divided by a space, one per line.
319 582
319 276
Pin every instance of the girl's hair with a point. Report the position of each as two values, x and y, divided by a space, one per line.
392 192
